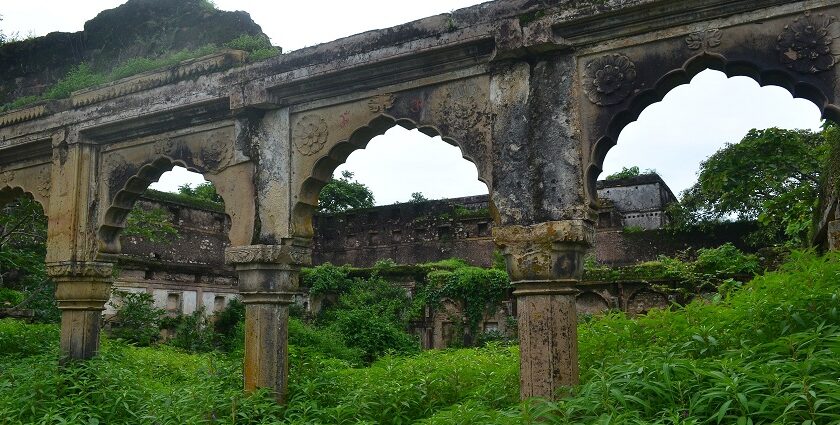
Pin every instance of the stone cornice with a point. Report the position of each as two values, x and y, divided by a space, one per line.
152 79
24 114
651 16
569 231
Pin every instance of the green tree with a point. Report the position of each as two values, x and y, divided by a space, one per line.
344 194
633 171
153 225
417 197
771 176
204 191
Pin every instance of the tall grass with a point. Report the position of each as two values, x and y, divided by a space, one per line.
767 353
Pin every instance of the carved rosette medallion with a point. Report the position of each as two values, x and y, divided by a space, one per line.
608 80
807 45
705 40
380 103
6 178
311 134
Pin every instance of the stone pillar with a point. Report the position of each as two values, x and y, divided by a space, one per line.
545 263
268 281
82 289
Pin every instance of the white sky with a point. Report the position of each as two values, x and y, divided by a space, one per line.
673 136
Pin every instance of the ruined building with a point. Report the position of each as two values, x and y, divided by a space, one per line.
533 93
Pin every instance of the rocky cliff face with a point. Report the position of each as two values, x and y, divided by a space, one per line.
138 28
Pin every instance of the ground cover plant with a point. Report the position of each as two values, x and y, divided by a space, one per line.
768 352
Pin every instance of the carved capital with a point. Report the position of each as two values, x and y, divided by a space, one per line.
80 270
81 285
545 253
292 253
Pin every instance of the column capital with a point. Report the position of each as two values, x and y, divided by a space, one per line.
80 270
290 252
549 253
81 285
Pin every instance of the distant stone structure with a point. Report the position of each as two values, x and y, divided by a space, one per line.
533 93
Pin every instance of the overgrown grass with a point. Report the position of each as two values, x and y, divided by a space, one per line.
766 353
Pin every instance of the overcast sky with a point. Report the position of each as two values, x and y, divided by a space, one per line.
672 137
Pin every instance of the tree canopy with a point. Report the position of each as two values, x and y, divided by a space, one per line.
344 194
772 176
204 191
625 172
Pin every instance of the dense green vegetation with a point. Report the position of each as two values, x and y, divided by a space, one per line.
766 353
772 176
344 193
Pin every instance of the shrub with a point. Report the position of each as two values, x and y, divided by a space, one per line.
194 332
10 298
137 320
226 325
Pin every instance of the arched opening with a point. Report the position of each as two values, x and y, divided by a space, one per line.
407 196
25 290
682 146
325 169
172 243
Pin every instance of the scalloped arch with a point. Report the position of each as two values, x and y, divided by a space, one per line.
9 193
113 221
307 199
780 77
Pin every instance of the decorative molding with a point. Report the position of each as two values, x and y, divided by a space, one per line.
608 80
705 40
269 254
20 115
381 103
80 269
311 134
152 79
806 45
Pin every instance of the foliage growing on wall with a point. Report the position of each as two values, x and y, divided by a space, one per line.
478 291
84 76
153 225
709 269
625 173
344 194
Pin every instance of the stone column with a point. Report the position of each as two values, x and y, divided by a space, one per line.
82 289
545 263
268 281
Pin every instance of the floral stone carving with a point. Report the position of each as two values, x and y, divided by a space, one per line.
704 39
807 44
608 80
311 134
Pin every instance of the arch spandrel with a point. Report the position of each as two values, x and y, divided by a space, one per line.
616 85
32 180
322 139
128 169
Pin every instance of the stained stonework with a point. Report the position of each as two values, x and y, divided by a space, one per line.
535 103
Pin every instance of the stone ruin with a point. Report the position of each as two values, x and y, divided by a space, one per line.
533 93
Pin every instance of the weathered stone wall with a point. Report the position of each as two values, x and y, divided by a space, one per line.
139 28
182 272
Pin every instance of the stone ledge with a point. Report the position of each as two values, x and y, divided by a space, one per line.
157 78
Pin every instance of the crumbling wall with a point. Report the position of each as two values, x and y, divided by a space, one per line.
139 28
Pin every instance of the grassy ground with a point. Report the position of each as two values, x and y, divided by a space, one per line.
765 353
